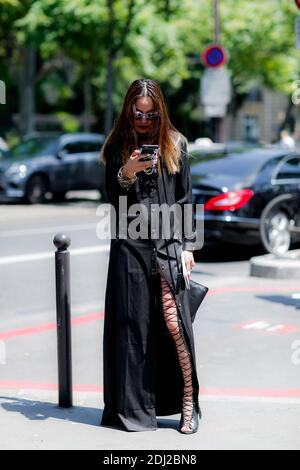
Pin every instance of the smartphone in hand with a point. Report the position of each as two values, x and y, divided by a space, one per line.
148 151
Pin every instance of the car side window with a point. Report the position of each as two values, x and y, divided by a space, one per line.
198 157
95 146
81 147
289 169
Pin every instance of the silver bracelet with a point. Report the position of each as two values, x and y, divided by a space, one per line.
123 181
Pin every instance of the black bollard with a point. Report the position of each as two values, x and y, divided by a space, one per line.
63 314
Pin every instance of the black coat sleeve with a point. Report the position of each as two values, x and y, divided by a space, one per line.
184 197
112 186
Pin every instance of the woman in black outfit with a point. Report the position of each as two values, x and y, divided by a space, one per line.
148 346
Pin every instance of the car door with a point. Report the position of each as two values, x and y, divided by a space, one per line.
71 172
286 177
91 168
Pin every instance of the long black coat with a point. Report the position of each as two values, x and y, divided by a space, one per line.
142 374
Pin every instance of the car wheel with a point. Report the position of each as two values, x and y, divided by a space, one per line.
277 235
59 196
36 190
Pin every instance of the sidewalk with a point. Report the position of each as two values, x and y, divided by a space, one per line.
32 420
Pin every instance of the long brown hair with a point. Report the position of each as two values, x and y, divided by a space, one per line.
124 137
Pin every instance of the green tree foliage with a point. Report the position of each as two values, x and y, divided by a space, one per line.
10 12
160 39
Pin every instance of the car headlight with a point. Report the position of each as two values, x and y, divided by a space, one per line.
16 169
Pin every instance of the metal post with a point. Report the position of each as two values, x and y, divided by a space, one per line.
217 123
217 24
63 314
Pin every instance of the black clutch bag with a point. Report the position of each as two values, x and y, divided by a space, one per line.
196 294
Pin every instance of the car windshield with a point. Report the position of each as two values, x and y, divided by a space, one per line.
196 157
234 164
31 147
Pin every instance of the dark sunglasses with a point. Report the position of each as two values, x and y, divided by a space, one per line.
151 116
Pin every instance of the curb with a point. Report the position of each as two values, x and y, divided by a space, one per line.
274 267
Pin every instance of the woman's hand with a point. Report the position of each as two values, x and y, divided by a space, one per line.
133 165
189 260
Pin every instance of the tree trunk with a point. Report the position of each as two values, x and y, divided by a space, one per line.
87 103
289 120
113 53
109 90
27 89
109 76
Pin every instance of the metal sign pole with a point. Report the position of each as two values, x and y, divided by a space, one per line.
217 24
216 123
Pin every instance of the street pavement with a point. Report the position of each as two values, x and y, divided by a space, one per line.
247 337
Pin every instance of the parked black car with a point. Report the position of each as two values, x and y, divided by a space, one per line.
236 187
52 164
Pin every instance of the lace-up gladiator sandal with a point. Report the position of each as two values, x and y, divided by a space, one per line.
189 421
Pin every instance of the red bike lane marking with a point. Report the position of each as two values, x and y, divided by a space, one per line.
222 290
252 392
30 385
204 391
100 315
50 326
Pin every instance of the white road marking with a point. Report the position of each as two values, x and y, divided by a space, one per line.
50 254
275 328
37 231
260 325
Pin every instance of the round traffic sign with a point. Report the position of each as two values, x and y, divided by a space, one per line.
297 3
214 56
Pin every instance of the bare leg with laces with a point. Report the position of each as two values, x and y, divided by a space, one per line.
171 319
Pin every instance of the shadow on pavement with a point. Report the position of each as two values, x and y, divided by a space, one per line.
281 299
39 411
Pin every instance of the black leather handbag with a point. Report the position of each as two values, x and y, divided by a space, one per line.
196 294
